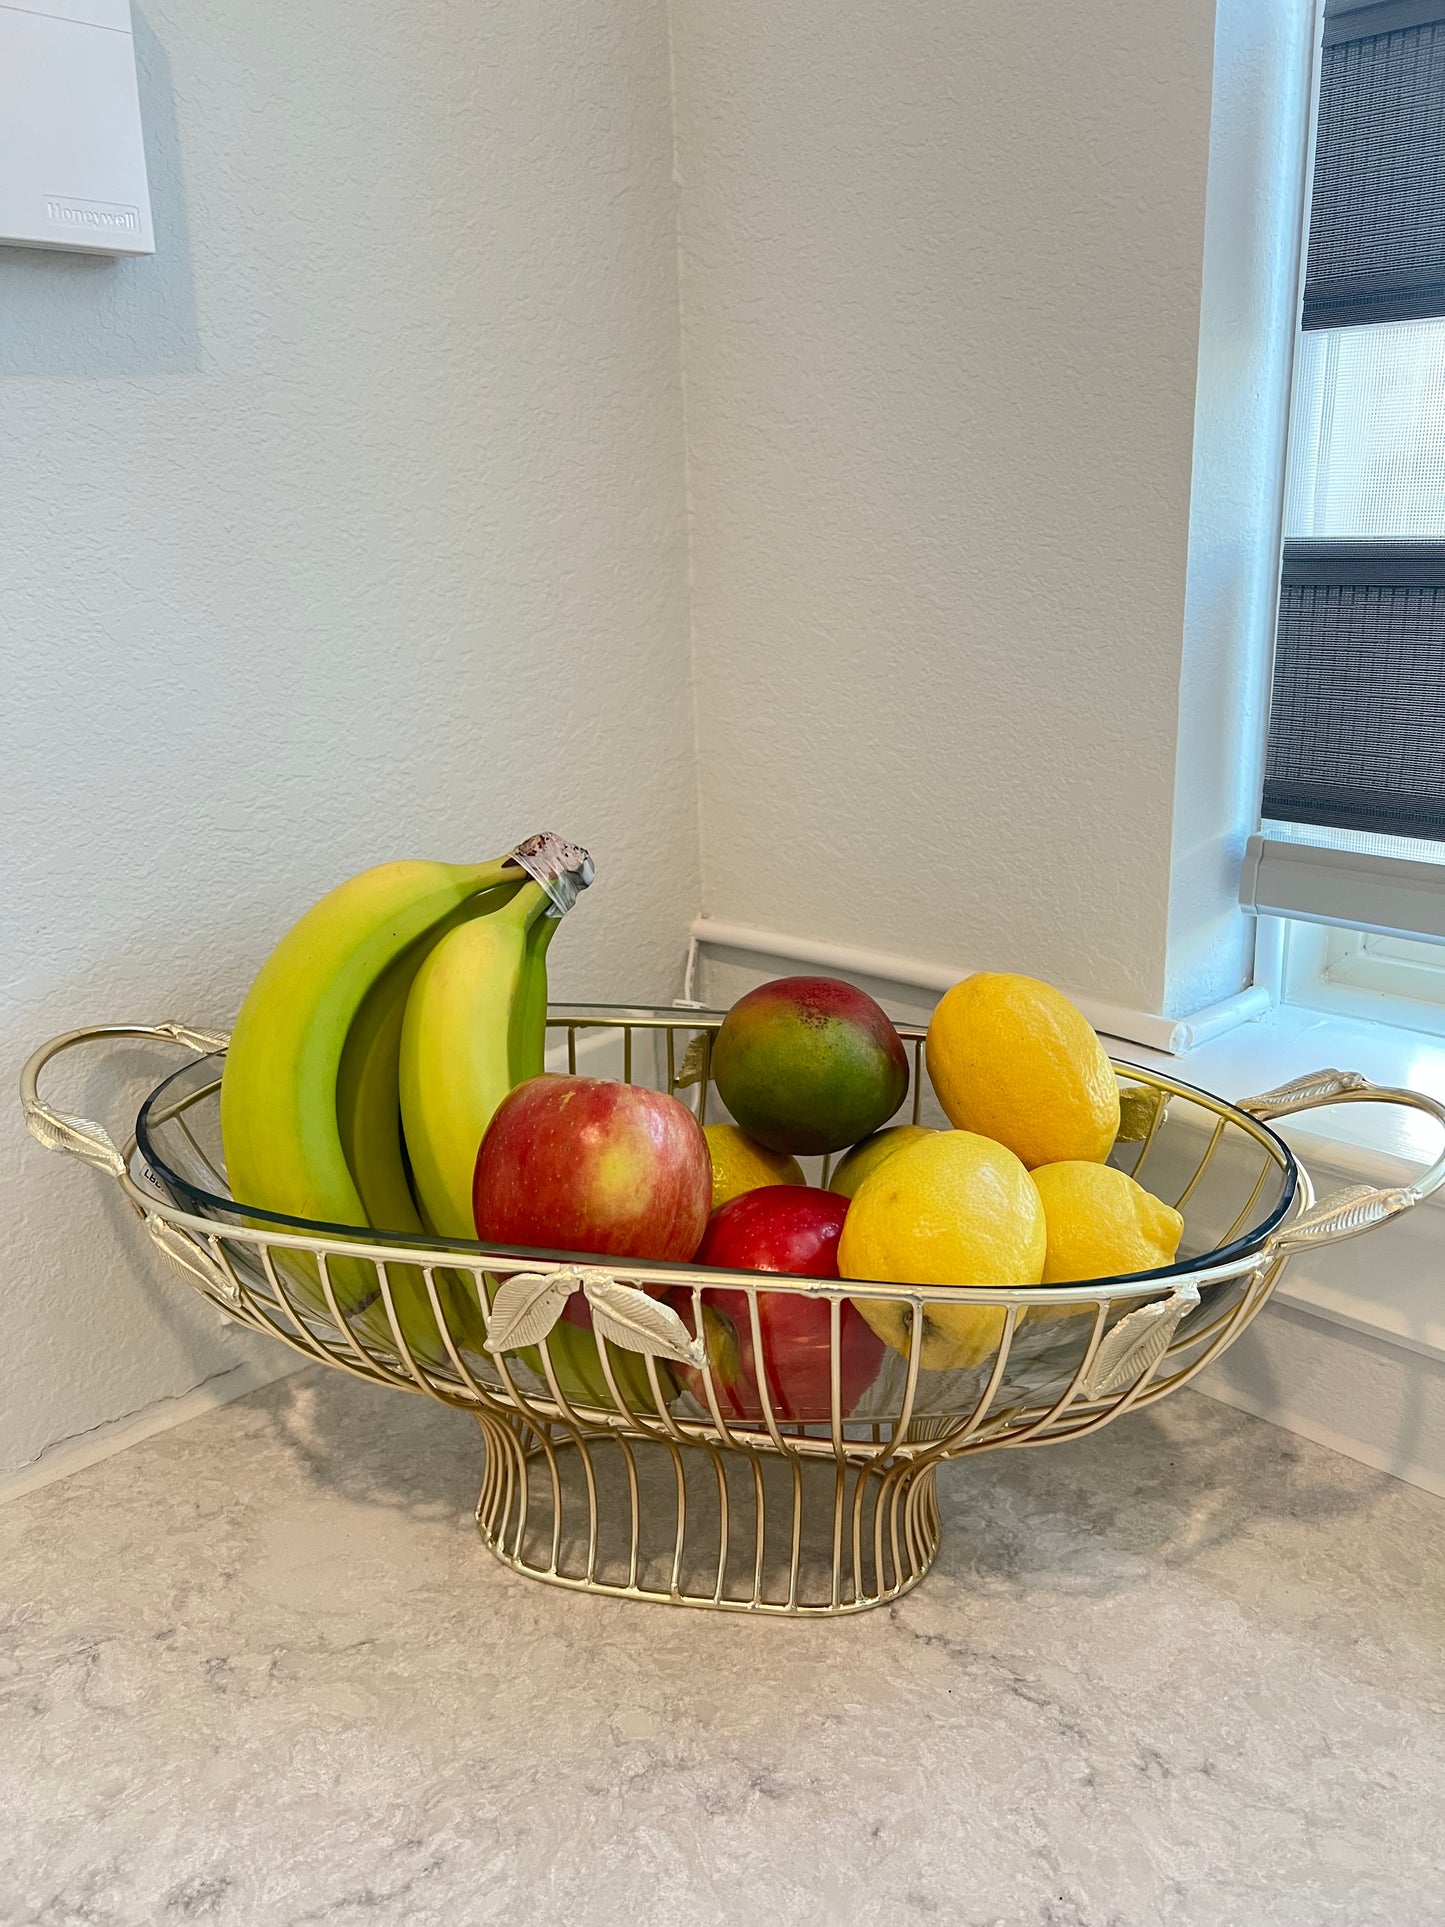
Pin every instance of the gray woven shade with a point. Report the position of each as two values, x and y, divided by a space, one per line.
1377 213
1357 725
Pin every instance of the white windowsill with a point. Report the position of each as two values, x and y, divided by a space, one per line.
1375 1142
1387 1284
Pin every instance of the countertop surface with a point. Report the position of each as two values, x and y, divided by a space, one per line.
259 1670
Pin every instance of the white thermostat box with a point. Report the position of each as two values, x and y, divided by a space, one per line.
72 163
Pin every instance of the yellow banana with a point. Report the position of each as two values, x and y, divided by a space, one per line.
463 1043
475 1027
368 1110
279 1122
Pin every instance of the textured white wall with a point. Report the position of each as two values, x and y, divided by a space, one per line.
941 295
348 527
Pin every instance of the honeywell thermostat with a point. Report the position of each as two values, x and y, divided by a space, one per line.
72 162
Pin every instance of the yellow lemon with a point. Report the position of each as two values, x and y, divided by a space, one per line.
950 1209
1012 1059
1101 1224
740 1163
865 1158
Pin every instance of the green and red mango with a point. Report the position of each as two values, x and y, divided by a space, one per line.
809 1064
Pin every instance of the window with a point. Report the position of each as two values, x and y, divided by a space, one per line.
1352 845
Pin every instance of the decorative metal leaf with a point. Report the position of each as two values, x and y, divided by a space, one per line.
201 1041
1357 1207
1137 1343
638 1323
188 1257
81 1136
1139 1106
1315 1087
527 1306
693 1068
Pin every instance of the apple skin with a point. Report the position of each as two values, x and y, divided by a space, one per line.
578 1164
779 1228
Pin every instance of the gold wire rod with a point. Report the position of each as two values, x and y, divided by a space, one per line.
1253 1199
840 1487
305 1340
634 1508
219 1177
1076 1379
760 1530
720 1473
860 1486
796 1467
835 1376
953 1441
760 1371
1155 1123
422 1382
453 1350
1188 1192
679 1475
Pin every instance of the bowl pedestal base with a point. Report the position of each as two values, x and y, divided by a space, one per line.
753 1529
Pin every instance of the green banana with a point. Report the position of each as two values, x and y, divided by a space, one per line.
279 1121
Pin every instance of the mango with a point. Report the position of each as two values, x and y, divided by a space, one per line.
808 1065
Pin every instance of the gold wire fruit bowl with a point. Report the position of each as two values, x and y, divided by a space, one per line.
649 1476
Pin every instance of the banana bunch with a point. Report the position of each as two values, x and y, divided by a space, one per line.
375 1044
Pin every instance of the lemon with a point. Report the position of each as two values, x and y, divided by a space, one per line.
864 1158
950 1209
740 1163
1101 1224
1012 1059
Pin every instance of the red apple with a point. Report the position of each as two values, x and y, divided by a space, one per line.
779 1228
579 1164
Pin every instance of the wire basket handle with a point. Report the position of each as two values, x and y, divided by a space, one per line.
82 1137
1357 1207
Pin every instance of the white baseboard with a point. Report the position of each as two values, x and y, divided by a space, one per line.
1373 1402
1173 1035
58 1461
1412 1471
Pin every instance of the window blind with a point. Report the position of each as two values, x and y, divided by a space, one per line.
1357 726
1377 217
1355 754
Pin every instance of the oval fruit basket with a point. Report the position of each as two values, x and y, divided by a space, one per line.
664 1471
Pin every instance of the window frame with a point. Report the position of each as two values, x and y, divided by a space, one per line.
1311 901
1364 975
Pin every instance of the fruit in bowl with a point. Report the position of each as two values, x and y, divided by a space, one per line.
794 1230
951 1209
740 1163
582 1164
809 1064
579 1164
1101 1224
866 1157
1012 1059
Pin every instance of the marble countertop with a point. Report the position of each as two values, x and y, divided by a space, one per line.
259 1670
